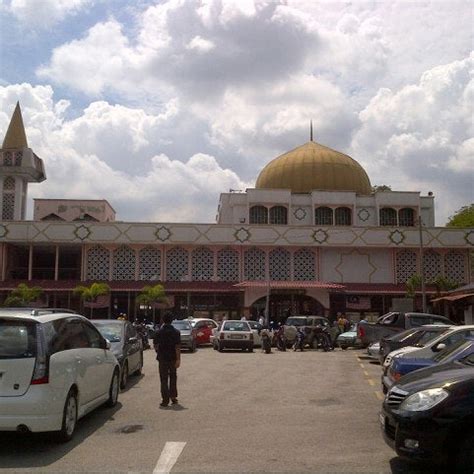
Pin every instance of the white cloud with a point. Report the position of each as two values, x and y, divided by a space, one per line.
200 44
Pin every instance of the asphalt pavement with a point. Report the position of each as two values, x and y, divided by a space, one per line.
239 412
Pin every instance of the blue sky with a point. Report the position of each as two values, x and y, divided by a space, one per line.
160 106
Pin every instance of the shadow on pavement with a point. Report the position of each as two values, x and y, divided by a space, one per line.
132 381
22 451
401 466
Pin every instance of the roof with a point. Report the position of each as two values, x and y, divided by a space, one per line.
15 136
42 318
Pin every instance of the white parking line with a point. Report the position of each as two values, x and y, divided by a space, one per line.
168 457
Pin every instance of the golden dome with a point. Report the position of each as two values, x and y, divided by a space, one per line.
314 167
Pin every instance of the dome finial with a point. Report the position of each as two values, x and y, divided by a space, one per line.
310 130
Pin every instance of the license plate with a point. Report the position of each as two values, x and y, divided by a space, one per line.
382 420
236 336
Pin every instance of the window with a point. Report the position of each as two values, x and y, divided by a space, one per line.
278 215
343 216
69 335
406 217
323 216
93 336
177 265
17 339
388 216
258 215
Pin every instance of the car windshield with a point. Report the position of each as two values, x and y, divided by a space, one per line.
296 322
17 339
452 349
111 331
236 326
182 325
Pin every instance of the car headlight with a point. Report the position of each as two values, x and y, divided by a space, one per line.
424 400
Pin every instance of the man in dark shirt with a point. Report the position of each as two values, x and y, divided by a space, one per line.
167 342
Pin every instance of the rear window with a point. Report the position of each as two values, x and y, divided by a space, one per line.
182 325
17 339
296 322
236 326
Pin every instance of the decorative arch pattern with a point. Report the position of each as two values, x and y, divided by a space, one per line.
8 201
279 261
98 263
406 265
431 265
254 264
343 216
149 263
228 265
258 215
279 215
124 263
203 264
455 266
323 216
304 265
177 264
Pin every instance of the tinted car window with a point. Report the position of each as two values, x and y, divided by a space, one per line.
111 331
462 344
93 336
404 336
429 336
390 319
69 335
182 325
297 321
420 320
17 339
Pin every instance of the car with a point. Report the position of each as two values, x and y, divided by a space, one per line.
203 328
404 365
348 338
373 350
233 334
188 334
256 328
55 368
125 344
411 337
428 416
308 324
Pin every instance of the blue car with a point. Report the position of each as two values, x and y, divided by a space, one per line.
403 365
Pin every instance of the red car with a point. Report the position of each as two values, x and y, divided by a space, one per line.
203 328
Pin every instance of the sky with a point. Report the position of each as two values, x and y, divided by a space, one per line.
159 106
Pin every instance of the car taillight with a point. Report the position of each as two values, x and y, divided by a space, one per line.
361 331
41 370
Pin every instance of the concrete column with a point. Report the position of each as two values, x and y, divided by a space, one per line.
30 263
56 263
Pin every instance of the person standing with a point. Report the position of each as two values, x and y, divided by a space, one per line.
167 343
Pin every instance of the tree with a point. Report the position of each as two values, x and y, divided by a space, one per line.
413 283
463 217
442 284
150 295
91 293
23 295
381 187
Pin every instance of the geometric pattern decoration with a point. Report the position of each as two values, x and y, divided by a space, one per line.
254 264
363 214
98 263
177 264
242 235
18 158
320 236
279 261
149 259
455 266
396 237
299 213
7 158
228 265
431 265
304 265
203 264
124 262
8 208
163 233
3 230
406 265
82 232
469 237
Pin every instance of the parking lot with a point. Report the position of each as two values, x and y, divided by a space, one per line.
239 412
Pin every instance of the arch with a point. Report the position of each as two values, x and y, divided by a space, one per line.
149 261
279 263
254 264
202 264
343 216
323 216
124 263
279 215
388 216
177 264
228 265
98 263
304 265
406 217
258 215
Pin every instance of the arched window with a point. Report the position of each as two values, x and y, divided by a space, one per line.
343 216
98 263
258 215
388 216
278 215
177 265
228 265
279 264
254 264
323 216
150 264
406 217
124 264
203 264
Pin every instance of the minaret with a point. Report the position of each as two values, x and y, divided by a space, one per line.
18 167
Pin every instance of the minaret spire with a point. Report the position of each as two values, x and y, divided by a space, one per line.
310 130
16 136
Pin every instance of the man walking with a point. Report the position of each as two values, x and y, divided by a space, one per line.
167 342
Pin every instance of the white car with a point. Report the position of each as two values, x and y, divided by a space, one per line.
54 368
256 328
233 335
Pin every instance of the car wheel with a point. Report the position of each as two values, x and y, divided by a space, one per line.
124 375
140 366
219 347
69 418
344 348
113 390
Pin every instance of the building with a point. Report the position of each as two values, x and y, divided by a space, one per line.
312 234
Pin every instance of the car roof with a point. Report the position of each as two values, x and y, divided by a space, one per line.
308 316
40 318
435 326
111 321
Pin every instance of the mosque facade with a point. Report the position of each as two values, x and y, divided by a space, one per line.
312 234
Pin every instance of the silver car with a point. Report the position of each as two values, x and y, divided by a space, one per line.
188 334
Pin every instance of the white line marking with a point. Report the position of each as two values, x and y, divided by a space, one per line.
168 457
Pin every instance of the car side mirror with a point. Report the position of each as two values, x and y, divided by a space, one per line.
439 347
107 344
132 340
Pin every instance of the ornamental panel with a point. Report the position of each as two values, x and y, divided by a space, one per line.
150 264
203 264
279 261
431 265
124 263
304 265
98 263
228 265
455 266
254 264
405 265
8 208
177 264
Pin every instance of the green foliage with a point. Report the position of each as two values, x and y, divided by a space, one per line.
90 293
151 295
464 217
413 284
381 187
443 284
23 295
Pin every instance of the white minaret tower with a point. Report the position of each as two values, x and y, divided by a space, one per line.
18 167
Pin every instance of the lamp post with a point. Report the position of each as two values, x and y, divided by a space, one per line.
267 305
422 265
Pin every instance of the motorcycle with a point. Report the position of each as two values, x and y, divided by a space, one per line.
321 338
299 341
281 339
266 341
142 333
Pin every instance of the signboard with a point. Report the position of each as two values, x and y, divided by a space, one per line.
357 302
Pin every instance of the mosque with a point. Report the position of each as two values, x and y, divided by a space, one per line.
312 234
